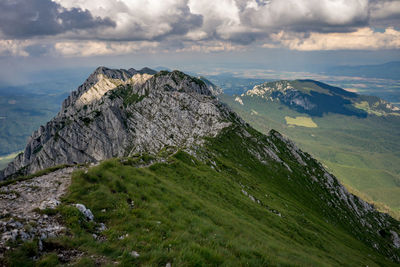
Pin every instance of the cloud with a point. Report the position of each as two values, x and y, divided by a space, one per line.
246 21
124 26
141 19
385 13
307 15
238 21
96 48
14 47
385 9
362 39
21 19
210 46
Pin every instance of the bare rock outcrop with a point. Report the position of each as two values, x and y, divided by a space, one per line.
119 113
21 203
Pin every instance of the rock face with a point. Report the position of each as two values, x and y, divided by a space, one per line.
282 91
119 113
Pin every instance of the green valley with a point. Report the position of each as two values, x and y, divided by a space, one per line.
362 151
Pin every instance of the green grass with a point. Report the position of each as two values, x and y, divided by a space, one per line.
299 121
364 105
364 153
193 213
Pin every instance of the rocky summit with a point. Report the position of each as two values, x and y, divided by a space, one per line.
177 179
119 113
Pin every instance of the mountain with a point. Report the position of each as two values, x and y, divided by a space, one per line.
178 179
355 136
160 68
390 70
316 98
215 90
99 120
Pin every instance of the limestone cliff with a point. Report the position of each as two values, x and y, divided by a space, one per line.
118 113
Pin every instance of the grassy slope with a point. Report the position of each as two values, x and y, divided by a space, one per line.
301 121
191 213
363 153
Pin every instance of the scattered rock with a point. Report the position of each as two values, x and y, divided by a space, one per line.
123 236
101 227
20 219
87 212
395 239
135 254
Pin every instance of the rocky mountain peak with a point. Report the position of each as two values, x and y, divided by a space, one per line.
145 70
117 113
101 81
178 81
120 74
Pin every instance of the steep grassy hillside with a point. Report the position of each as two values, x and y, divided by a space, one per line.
362 152
228 209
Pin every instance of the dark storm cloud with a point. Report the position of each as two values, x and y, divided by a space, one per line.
385 13
28 18
186 22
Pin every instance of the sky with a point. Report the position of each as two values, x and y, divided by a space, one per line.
196 34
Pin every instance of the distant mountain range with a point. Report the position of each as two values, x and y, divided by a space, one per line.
390 70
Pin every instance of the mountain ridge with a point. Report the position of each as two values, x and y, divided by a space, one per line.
100 98
166 126
316 98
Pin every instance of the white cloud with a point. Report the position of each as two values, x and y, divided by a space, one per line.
362 39
240 21
219 17
139 19
95 48
306 15
210 46
14 47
